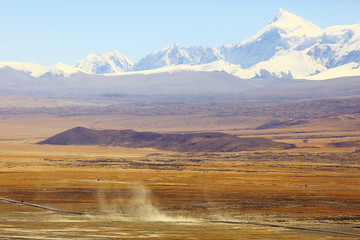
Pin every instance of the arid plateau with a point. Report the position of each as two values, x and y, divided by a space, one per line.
309 191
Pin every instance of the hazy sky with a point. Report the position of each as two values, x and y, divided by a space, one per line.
52 31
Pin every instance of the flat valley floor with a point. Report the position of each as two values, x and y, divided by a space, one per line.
310 192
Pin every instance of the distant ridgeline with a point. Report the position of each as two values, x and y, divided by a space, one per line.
190 142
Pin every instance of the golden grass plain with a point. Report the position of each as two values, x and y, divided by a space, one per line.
312 191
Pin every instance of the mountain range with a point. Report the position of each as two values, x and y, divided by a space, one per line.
287 47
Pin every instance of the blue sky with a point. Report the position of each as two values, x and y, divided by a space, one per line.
52 31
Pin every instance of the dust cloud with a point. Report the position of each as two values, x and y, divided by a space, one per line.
134 205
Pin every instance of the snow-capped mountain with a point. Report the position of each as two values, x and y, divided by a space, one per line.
176 55
61 70
110 62
36 70
287 47
338 45
285 64
32 69
347 70
286 31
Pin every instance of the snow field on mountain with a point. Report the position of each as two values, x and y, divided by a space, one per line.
287 47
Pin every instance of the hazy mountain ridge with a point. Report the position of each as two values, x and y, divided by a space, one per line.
181 82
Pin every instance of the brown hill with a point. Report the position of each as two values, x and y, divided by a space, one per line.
191 142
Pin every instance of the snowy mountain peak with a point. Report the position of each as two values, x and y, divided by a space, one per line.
117 55
294 25
32 69
284 32
113 52
173 46
36 70
177 55
288 46
60 69
175 50
283 15
60 65
111 62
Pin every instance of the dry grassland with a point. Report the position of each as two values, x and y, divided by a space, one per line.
311 192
